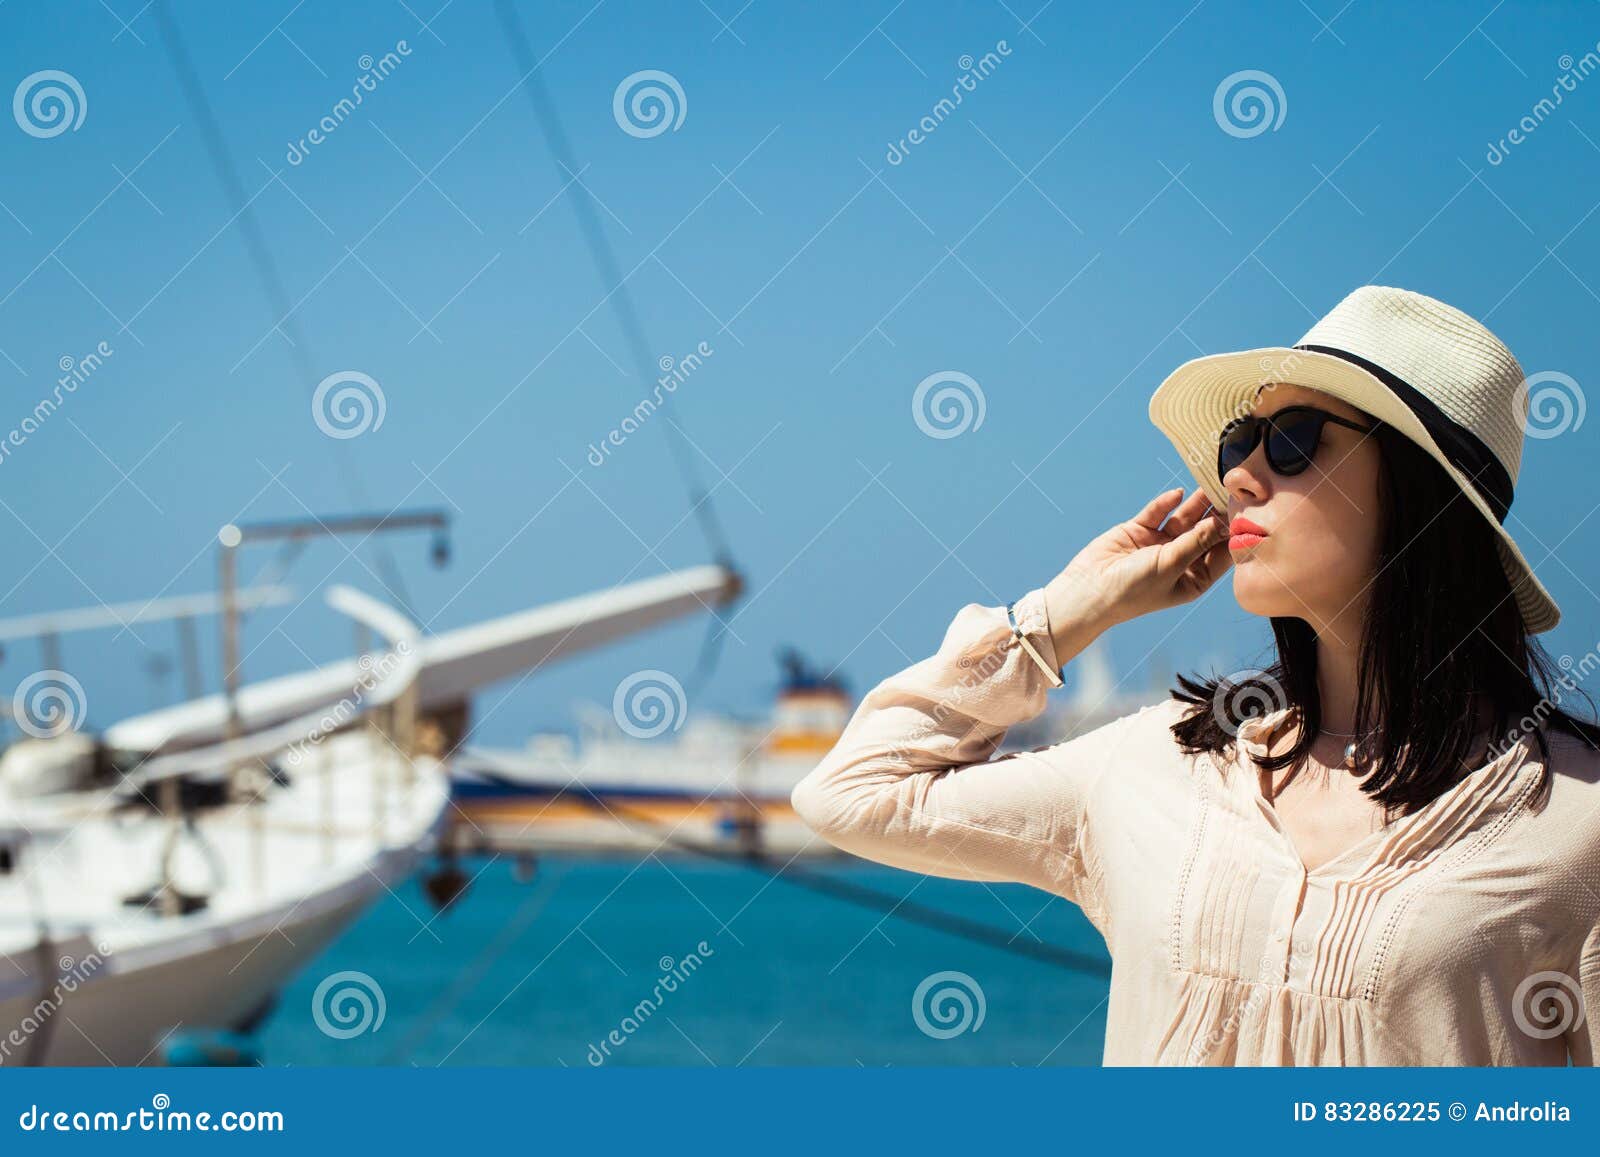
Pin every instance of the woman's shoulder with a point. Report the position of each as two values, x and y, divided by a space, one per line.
1575 751
1134 753
1156 719
1565 825
1142 772
1573 760
1143 736
1574 764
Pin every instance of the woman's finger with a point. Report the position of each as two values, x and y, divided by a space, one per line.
1158 508
1211 566
1189 512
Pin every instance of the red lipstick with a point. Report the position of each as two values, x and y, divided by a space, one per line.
1244 534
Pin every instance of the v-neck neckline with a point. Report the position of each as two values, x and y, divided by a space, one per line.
1270 810
1248 746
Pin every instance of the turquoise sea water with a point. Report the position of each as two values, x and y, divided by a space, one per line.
544 972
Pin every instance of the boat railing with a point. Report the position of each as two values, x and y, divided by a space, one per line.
383 700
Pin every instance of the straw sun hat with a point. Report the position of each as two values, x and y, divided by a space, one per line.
1434 374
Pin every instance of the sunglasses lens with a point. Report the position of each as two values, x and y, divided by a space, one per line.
1292 441
1235 444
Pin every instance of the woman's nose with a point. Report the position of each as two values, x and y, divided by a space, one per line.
1247 481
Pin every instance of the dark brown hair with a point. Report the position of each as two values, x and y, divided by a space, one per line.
1444 654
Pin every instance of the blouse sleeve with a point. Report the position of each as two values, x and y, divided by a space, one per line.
911 782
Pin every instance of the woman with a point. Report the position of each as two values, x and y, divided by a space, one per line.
1383 849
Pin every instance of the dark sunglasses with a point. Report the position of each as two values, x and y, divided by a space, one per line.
1292 436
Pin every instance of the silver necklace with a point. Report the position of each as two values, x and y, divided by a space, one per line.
1349 748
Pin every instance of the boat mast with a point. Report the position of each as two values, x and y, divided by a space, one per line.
232 537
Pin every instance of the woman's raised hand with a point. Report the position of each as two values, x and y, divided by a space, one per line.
1170 553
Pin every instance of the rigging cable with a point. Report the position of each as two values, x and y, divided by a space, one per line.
628 320
627 316
873 899
467 979
261 257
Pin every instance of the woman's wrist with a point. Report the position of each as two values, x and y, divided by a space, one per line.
1075 619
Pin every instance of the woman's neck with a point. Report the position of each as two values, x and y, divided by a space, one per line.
1338 667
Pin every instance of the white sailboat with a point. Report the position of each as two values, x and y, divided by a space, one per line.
176 871
185 854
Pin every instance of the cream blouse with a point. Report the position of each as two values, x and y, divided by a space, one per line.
1466 933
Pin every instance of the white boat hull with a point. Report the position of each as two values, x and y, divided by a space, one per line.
123 1018
113 981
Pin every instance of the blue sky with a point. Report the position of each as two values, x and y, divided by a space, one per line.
1080 225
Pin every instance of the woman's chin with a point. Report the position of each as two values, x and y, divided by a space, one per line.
1265 598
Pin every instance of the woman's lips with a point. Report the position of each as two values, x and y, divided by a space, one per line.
1244 534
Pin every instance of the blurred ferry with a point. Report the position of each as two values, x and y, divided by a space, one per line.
617 786
705 783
